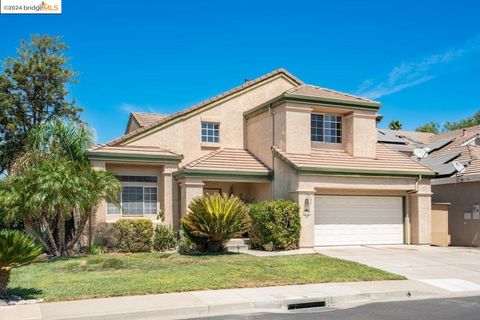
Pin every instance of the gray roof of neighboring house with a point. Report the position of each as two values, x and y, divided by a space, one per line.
402 147
439 144
440 159
389 138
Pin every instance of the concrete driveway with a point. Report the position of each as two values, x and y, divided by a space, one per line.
452 268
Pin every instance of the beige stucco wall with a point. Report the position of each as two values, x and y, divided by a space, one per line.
361 134
260 137
184 137
462 197
292 129
250 191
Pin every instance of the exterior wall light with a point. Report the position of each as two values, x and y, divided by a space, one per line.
306 208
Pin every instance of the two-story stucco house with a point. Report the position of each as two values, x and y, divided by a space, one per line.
274 137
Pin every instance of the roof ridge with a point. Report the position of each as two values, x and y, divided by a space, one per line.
205 103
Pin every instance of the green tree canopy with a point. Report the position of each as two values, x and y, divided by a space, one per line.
33 90
52 185
463 123
431 127
395 125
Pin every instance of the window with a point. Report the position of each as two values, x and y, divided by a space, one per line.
326 128
136 200
210 132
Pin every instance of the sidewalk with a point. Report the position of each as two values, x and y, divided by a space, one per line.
210 302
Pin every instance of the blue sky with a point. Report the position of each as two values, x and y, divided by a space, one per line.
421 59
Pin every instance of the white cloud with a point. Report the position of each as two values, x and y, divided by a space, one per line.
413 73
130 107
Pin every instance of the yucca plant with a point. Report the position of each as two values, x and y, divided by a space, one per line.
16 249
212 220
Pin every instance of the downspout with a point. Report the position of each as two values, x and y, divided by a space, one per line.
273 144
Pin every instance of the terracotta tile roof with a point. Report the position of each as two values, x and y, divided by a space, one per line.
203 104
229 159
387 160
143 119
133 150
318 92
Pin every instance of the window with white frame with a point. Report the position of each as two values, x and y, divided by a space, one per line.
326 128
210 132
138 196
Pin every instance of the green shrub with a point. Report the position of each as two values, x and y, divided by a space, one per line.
96 249
275 225
165 238
185 245
212 220
106 235
16 249
134 235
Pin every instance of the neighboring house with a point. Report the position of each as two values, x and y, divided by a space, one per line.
274 137
447 154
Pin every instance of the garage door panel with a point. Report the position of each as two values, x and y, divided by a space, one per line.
356 220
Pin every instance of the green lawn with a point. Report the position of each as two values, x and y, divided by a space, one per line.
144 273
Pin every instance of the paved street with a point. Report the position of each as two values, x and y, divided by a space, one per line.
435 309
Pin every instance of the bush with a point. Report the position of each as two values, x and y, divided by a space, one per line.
165 238
96 249
134 235
185 245
16 249
212 220
275 225
106 235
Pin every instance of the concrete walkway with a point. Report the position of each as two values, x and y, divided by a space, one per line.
214 302
415 262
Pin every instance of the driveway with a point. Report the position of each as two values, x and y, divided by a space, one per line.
454 268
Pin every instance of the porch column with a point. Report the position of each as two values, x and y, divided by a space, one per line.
420 207
306 201
190 189
167 198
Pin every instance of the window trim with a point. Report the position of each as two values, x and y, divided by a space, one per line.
202 122
324 114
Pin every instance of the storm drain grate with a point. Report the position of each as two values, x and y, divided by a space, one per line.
306 305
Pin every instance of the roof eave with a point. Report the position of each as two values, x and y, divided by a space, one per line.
127 157
223 174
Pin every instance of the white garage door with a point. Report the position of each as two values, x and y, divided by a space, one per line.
356 220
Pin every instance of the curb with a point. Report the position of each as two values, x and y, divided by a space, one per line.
276 305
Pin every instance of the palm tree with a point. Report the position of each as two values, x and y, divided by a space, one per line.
53 183
395 125
212 220
16 249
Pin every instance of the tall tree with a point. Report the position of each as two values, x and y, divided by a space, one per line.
431 127
52 187
395 125
33 90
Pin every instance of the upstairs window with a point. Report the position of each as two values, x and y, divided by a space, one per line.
326 128
210 132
